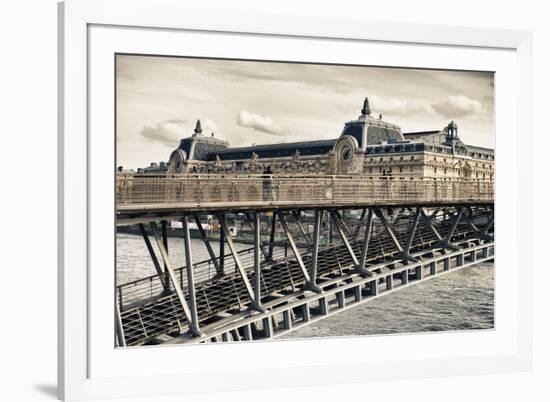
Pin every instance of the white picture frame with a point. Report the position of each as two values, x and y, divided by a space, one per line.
81 313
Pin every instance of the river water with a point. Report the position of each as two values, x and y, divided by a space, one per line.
459 300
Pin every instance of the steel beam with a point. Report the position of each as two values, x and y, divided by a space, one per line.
412 231
296 252
337 219
250 220
238 263
119 327
208 245
190 276
446 242
482 233
163 230
172 275
360 223
221 264
296 215
343 223
272 235
470 221
403 254
455 224
257 267
389 230
315 248
160 272
489 224
430 224
364 250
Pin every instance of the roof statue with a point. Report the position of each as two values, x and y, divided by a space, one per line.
366 109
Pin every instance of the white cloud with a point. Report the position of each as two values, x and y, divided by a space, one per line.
397 107
265 124
167 132
457 106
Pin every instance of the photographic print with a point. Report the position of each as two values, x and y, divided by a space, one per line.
261 200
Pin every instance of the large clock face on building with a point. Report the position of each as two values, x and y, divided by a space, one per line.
345 153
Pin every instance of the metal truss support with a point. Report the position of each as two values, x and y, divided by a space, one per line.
360 223
470 221
489 224
364 250
446 242
221 220
190 276
164 232
430 224
272 235
119 328
172 274
309 285
160 272
340 228
330 232
239 264
296 215
482 233
402 253
412 232
257 266
209 248
315 248
251 219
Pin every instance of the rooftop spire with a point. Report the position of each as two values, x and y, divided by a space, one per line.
198 129
366 109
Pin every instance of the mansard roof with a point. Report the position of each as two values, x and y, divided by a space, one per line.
420 133
279 150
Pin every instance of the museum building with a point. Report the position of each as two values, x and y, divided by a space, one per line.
367 146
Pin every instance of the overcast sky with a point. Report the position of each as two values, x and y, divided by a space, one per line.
159 100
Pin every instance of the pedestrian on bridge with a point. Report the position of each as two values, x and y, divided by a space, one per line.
267 185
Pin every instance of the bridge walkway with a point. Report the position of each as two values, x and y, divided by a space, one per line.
145 319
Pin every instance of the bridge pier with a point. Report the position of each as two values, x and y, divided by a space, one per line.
373 287
418 272
405 277
433 268
323 306
389 282
287 320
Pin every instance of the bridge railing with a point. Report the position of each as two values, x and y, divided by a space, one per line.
193 189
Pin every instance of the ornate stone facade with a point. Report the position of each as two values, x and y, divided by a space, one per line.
367 145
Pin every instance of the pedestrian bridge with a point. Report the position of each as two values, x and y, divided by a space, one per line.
388 234
157 196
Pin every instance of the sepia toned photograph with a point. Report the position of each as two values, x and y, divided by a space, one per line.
269 200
